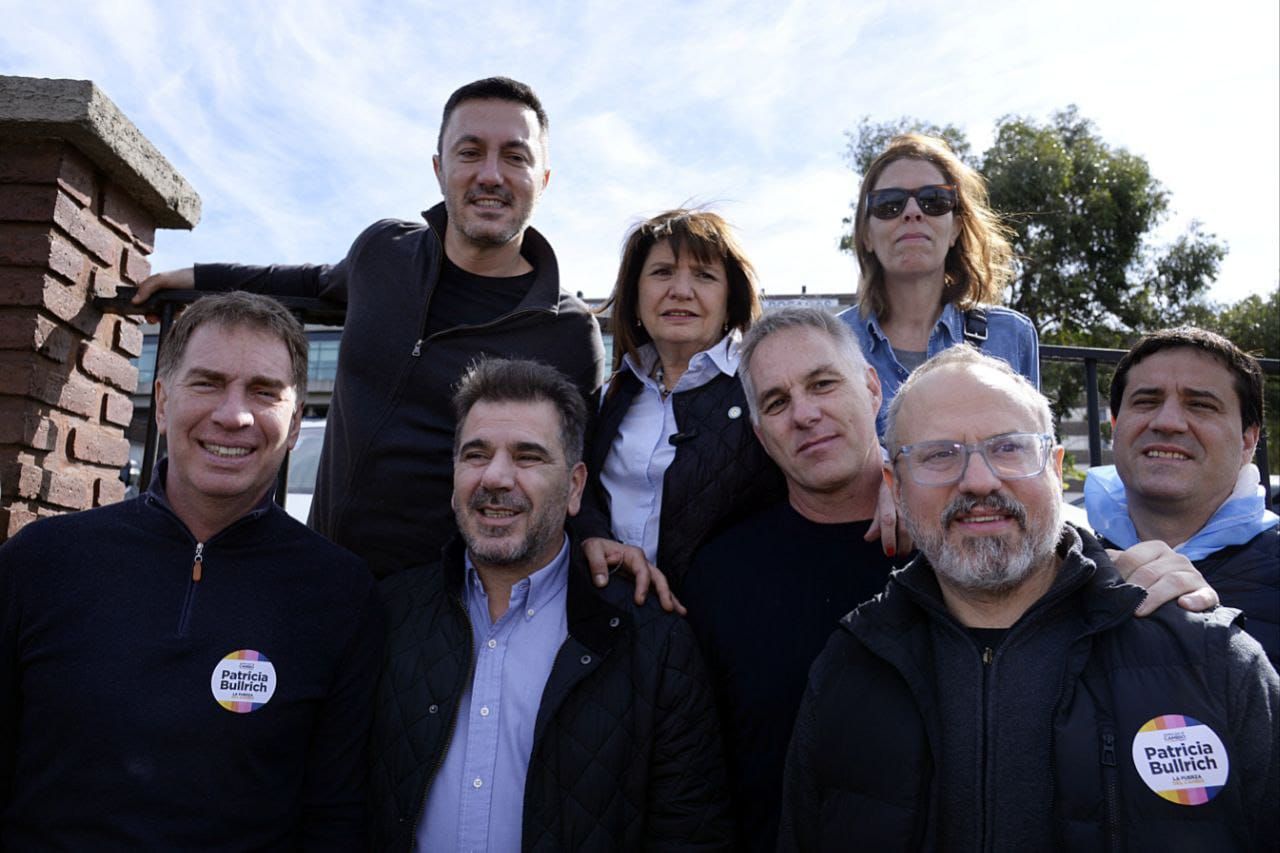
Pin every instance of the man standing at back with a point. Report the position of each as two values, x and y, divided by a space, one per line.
1186 412
191 669
423 302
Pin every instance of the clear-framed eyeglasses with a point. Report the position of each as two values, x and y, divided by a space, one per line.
1012 456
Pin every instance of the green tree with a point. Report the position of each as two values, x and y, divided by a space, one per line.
1082 213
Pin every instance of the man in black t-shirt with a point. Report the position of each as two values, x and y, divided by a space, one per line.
764 595
423 302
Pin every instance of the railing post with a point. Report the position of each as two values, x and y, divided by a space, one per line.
1094 411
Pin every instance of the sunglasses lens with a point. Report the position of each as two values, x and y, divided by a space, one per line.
935 201
886 204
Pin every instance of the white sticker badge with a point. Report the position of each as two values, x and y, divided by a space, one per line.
1181 759
243 681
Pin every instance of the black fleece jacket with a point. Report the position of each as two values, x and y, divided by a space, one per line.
111 734
912 736
386 468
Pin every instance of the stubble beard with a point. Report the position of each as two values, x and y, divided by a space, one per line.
991 565
489 547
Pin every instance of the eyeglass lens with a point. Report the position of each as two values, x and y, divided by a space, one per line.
1010 457
934 200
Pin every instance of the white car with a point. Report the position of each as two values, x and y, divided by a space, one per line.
303 461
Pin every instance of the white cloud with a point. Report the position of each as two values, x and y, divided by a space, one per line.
299 123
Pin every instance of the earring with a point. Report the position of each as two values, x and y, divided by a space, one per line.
637 322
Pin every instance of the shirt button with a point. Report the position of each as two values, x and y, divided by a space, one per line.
484 712
493 644
476 783
529 612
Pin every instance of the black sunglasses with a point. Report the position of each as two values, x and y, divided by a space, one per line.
934 200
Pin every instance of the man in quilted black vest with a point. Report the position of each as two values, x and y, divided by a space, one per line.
1186 407
1000 693
519 707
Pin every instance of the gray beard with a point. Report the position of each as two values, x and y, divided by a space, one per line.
987 564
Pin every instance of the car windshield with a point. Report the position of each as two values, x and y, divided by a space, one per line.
303 460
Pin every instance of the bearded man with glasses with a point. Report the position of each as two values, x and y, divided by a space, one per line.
1000 694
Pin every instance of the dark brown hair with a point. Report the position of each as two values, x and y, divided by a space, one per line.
707 237
1244 368
507 380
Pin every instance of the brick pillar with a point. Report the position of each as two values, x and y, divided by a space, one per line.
82 193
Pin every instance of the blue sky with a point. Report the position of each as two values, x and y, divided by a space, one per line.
301 122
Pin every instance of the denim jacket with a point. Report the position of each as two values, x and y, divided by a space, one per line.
1010 336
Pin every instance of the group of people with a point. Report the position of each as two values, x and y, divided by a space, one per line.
872 628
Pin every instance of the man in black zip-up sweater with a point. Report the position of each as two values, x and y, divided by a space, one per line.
191 669
422 303
1000 694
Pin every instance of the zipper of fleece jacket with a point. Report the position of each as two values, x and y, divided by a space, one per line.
188 601
417 345
985 815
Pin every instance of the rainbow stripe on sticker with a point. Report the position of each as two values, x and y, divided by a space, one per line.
243 681
1181 759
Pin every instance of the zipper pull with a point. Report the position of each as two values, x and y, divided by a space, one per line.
988 655
1108 749
417 348
196 570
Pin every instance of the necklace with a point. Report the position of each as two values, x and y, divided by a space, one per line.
660 376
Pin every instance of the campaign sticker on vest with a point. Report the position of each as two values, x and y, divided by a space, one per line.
1181 759
243 681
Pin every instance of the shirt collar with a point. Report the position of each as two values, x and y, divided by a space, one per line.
951 321
1242 516
722 356
547 584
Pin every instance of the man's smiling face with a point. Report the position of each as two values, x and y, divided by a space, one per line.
1179 435
229 413
492 168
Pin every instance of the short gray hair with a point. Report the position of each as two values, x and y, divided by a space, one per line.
965 356
795 318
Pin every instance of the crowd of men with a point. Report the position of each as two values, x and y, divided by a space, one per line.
192 669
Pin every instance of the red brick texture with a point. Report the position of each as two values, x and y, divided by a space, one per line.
67 233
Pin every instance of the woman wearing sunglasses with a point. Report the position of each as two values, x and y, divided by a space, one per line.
934 260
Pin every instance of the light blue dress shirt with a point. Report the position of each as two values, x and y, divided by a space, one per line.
476 802
1010 336
641 451
1242 516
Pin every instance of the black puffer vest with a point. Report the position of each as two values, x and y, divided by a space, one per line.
719 475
